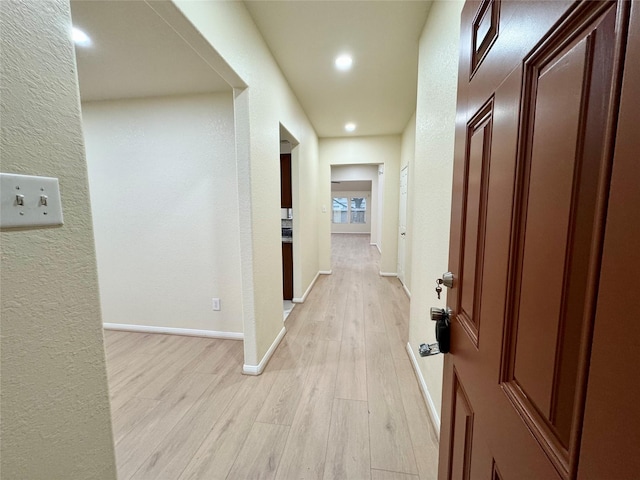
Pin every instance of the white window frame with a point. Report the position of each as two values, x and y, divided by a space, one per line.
349 211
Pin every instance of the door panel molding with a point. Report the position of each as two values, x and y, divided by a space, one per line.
495 473
553 409
485 32
611 428
522 358
460 442
474 216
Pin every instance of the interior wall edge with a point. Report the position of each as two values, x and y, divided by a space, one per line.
258 369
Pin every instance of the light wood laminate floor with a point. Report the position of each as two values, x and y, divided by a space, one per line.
338 400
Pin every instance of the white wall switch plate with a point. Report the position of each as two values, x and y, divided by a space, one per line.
29 201
216 304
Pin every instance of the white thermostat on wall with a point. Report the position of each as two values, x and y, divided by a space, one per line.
29 201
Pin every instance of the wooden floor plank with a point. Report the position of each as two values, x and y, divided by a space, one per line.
136 368
339 398
423 437
385 475
176 450
348 446
221 357
157 366
374 321
335 308
129 414
127 366
305 451
392 449
218 451
351 382
116 342
280 405
260 455
157 344
373 298
164 375
141 442
124 342
394 316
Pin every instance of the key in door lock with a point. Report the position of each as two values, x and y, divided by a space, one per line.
446 280
442 317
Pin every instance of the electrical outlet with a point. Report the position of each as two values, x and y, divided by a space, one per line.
216 304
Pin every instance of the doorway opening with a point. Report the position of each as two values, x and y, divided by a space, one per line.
288 210
158 192
356 201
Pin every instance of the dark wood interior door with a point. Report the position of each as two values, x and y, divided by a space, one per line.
537 117
287 271
286 198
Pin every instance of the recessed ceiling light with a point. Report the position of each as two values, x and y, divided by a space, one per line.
80 38
350 127
343 62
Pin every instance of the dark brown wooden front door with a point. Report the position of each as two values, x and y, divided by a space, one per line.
538 128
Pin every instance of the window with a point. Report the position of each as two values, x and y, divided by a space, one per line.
349 210
358 210
340 208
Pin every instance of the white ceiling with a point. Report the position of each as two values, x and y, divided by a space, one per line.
379 92
135 53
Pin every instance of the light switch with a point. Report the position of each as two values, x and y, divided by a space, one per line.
29 201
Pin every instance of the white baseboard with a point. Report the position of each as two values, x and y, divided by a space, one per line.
373 244
388 274
188 332
313 282
306 293
406 290
379 249
431 408
257 369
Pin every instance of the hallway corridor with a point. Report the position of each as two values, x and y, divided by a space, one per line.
338 400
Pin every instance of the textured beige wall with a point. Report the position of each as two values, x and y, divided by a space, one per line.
382 149
259 111
430 188
55 405
162 173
